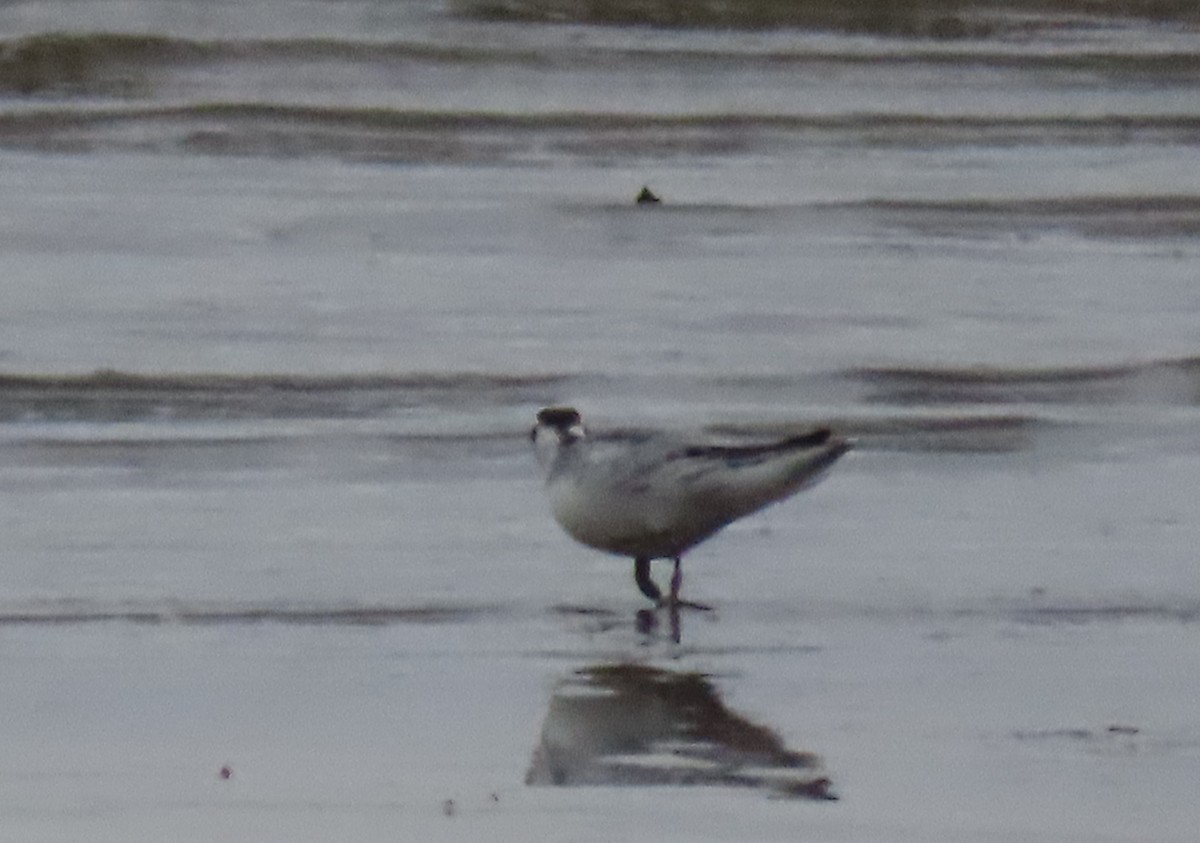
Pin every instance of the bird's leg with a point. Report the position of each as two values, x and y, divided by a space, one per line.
641 575
673 601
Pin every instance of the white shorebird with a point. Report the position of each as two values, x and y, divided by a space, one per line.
655 496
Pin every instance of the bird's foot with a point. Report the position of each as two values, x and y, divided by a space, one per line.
674 603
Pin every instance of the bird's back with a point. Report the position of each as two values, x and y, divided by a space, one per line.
646 495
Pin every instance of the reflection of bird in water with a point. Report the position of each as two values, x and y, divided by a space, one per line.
624 724
654 496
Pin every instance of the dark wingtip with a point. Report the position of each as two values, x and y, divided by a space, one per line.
822 437
808 440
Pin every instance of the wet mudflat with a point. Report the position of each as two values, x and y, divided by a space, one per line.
285 283
953 670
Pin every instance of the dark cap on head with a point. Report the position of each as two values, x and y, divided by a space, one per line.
559 417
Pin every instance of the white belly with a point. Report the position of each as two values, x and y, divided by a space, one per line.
629 526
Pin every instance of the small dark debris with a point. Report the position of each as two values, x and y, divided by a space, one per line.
647 197
226 772
449 808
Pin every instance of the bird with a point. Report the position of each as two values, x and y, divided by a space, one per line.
655 495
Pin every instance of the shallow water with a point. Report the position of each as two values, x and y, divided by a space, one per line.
284 283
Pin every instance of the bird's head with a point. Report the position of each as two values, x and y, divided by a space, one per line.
556 428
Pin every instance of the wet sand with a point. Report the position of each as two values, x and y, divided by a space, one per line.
919 648
284 284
